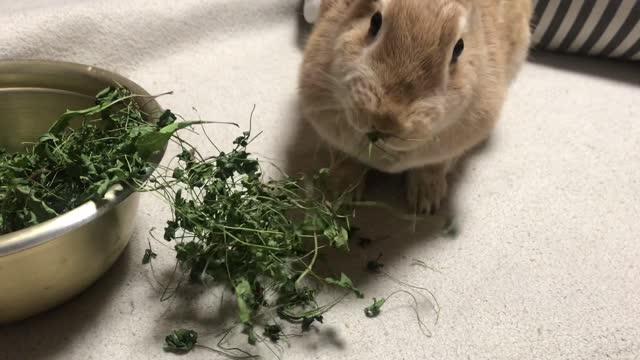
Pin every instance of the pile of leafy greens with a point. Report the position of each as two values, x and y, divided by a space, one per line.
259 238
82 156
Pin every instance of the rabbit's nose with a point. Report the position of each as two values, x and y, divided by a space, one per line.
384 124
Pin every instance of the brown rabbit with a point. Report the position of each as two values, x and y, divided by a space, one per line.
425 80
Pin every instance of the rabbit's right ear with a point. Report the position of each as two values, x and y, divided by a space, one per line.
311 10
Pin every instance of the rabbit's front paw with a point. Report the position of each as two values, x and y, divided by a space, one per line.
426 189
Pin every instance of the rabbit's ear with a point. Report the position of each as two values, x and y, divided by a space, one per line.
311 10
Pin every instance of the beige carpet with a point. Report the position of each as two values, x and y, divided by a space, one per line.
546 264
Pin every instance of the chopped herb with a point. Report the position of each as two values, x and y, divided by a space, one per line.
308 321
260 237
345 283
364 242
374 136
148 255
251 335
181 341
450 229
373 310
273 332
374 266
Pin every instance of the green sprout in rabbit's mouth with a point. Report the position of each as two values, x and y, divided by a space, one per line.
375 136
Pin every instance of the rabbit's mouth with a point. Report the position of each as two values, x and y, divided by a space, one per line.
393 141
390 133
397 144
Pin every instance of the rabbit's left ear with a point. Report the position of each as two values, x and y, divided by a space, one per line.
311 10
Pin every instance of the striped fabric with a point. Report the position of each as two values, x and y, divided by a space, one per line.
609 28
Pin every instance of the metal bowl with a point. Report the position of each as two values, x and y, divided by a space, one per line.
45 265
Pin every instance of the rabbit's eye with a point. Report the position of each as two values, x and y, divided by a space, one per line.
457 51
376 24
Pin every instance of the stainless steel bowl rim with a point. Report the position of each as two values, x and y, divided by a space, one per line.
49 230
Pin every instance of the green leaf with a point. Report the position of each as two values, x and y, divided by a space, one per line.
47 137
324 172
450 229
273 332
307 321
148 255
243 295
89 167
374 266
63 121
186 155
24 189
103 188
252 338
187 251
151 142
374 309
181 341
339 236
178 200
345 283
43 206
364 242
178 173
167 118
374 137
110 94
170 230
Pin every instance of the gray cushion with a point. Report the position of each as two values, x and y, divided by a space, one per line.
608 28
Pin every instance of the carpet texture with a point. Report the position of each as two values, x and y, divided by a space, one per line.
546 263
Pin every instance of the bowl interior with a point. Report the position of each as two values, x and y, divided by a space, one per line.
27 113
33 95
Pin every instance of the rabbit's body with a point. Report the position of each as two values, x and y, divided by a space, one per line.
425 80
